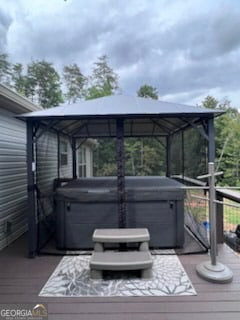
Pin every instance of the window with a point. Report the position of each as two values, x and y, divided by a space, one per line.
82 164
63 153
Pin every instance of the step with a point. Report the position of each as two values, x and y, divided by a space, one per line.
130 260
126 235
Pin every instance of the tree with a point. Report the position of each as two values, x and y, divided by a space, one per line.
5 69
227 139
103 81
18 79
145 156
147 91
43 84
75 82
210 103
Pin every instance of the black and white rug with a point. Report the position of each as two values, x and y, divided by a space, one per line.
71 278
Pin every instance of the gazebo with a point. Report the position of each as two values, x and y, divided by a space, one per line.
116 117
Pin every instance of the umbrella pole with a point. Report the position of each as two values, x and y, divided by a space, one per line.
213 270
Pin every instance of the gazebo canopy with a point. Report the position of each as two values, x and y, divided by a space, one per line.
142 117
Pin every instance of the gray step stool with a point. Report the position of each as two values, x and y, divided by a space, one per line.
114 261
126 235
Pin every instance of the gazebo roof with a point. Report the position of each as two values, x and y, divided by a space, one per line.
143 117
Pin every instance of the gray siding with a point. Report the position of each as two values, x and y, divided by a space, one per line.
46 161
13 174
13 178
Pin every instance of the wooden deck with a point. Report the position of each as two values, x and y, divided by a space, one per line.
21 280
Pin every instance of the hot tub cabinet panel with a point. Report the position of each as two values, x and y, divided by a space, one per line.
159 217
76 222
156 203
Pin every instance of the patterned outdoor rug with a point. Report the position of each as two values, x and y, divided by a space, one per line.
71 278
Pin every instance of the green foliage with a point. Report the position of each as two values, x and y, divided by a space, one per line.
103 81
18 79
145 156
75 83
105 158
228 147
227 139
43 84
231 215
195 153
210 102
147 91
5 69
95 92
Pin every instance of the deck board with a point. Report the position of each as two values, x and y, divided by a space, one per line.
21 279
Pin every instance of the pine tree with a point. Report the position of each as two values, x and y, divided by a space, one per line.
18 80
5 69
103 81
75 83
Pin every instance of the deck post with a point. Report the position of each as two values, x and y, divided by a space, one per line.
219 213
121 174
31 170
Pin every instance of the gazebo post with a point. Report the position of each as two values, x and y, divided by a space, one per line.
183 156
31 169
74 159
168 156
211 141
121 173
58 155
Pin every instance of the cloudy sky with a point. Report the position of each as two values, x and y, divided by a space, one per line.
186 49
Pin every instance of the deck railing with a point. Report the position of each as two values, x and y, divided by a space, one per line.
227 209
227 205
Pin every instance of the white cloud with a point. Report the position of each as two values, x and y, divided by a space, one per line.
187 49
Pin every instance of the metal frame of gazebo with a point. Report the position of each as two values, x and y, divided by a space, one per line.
116 117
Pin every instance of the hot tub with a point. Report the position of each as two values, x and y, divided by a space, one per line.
156 203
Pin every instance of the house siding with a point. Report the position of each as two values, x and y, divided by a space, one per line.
13 174
13 166
13 178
